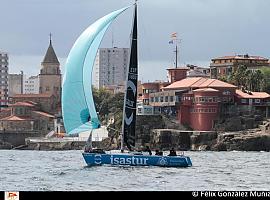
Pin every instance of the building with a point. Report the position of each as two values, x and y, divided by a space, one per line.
46 102
145 89
31 85
226 65
16 84
177 74
114 89
4 79
199 105
250 101
143 109
26 116
97 134
110 67
196 71
50 75
202 101
165 102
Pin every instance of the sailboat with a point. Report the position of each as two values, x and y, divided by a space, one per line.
78 109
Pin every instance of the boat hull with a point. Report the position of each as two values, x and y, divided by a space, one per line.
95 159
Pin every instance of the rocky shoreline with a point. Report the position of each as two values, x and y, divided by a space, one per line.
248 140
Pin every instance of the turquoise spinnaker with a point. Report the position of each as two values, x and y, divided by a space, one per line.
78 108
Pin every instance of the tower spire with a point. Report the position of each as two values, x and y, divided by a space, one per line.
50 56
50 38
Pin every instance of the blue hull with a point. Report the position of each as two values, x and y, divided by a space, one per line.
95 159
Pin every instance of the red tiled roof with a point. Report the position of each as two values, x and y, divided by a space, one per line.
241 57
216 83
28 104
179 68
32 95
253 95
43 113
198 82
205 90
5 110
16 118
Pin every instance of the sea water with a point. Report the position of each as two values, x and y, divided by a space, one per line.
24 170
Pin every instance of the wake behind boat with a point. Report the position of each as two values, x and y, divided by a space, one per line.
79 113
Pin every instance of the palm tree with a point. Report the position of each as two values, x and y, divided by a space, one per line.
239 76
258 76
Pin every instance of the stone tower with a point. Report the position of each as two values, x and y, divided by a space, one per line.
50 74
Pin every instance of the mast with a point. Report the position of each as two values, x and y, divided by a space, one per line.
175 40
130 100
176 54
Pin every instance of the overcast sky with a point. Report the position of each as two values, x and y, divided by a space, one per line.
207 29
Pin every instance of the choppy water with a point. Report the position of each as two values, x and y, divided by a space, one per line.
67 171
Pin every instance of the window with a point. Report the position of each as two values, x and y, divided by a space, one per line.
226 92
201 99
166 98
145 91
243 101
146 101
171 98
257 101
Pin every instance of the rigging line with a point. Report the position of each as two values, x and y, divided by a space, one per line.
112 29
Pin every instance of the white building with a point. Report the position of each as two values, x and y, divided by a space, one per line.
15 84
110 67
144 109
4 79
31 85
196 71
97 134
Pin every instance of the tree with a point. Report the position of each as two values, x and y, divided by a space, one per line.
265 85
239 76
250 80
107 103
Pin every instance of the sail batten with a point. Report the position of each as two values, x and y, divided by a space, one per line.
78 108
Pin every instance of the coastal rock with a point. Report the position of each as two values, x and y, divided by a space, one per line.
167 138
243 141
203 140
5 145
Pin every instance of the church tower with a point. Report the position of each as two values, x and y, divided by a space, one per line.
50 74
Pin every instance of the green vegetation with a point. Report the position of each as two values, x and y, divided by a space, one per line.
257 80
109 106
266 79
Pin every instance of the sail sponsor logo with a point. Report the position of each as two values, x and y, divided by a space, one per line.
132 86
129 103
128 120
128 161
132 77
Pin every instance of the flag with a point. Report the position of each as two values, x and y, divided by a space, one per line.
171 42
174 35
